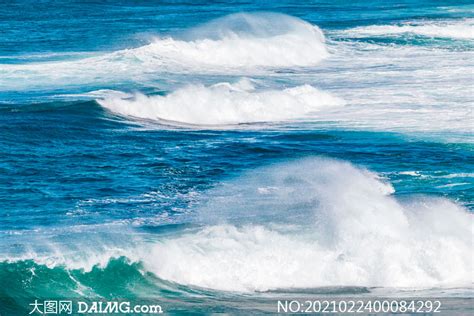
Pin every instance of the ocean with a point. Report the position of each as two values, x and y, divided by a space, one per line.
217 156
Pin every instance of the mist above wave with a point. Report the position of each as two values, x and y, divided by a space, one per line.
319 222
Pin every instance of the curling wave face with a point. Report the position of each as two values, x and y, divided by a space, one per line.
223 103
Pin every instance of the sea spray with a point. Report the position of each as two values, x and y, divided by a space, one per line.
314 223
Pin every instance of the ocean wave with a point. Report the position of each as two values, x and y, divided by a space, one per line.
309 223
240 40
223 103
243 42
333 224
455 29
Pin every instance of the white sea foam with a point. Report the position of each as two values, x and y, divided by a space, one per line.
333 225
224 103
240 40
400 88
76 251
411 173
456 29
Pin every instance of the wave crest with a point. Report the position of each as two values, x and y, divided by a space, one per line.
224 103
241 40
327 223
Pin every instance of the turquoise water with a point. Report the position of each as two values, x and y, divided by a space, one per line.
214 157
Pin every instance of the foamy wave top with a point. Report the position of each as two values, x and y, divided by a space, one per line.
240 40
463 29
333 225
224 103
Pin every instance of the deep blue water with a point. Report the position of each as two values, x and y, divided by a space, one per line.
215 152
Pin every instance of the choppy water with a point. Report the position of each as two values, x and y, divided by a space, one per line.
212 154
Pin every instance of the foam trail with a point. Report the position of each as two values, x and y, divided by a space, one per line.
463 29
224 103
326 223
238 42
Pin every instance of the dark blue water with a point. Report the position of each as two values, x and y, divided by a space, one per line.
217 152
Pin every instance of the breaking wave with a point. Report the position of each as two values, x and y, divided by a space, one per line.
242 42
223 103
315 223
304 224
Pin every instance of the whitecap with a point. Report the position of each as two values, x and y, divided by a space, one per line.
223 103
326 223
